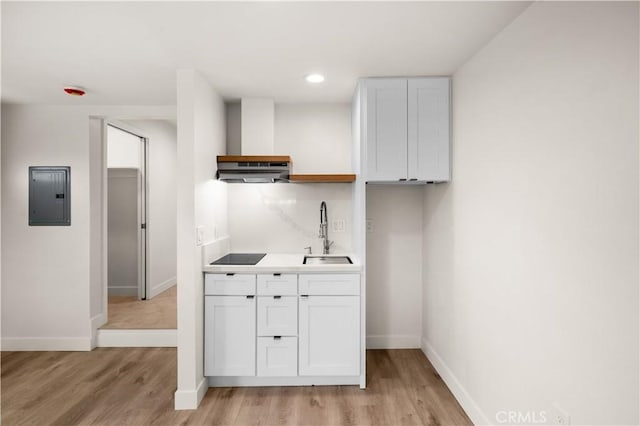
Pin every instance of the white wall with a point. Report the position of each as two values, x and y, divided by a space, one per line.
123 244
531 253
123 149
161 217
285 218
47 270
201 203
316 136
394 266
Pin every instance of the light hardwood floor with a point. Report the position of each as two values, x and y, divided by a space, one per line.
127 312
135 386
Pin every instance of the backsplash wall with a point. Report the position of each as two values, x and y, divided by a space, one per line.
285 218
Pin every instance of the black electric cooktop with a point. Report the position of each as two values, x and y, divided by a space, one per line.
239 259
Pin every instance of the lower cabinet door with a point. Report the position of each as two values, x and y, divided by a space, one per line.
329 336
277 356
230 336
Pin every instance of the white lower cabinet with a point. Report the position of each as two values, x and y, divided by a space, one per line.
278 356
329 336
230 343
306 331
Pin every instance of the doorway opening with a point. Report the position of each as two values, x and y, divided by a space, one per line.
140 226
127 213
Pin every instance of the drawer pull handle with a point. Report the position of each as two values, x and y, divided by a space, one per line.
277 297
277 337
250 297
304 296
230 275
277 274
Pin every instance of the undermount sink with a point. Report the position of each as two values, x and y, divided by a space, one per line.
327 260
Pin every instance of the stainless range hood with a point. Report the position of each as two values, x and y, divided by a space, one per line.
254 168
255 127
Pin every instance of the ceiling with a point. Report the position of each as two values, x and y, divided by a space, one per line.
128 52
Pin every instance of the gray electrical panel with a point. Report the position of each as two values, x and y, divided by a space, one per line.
49 196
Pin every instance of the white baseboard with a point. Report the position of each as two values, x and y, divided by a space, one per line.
161 338
393 341
190 399
46 344
256 381
156 290
122 290
97 322
467 403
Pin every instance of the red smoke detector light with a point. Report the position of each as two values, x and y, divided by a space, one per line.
74 91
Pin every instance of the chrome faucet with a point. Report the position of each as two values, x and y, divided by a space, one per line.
324 228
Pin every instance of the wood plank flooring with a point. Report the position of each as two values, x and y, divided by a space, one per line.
135 386
127 312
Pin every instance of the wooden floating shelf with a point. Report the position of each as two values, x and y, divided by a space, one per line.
257 158
322 178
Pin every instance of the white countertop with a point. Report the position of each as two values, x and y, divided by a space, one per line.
282 263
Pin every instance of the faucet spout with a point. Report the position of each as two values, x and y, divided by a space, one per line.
324 228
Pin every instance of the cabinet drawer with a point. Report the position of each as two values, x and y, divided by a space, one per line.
277 284
330 284
277 316
277 356
230 284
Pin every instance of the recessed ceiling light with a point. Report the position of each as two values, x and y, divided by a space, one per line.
315 78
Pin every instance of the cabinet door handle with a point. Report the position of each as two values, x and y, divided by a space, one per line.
413 179
402 180
277 297
250 297
277 274
230 275
304 296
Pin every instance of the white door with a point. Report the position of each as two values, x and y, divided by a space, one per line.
386 129
230 336
428 129
127 151
329 339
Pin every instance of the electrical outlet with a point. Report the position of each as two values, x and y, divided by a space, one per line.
337 226
559 417
199 235
369 225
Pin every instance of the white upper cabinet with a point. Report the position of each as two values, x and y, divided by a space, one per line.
407 130
386 129
428 129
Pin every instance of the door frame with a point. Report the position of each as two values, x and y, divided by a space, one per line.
143 209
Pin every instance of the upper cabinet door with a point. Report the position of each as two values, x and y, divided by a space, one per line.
428 129
386 127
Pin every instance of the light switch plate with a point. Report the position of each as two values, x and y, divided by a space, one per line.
370 225
337 226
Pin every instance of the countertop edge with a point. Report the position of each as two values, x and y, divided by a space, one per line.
285 263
